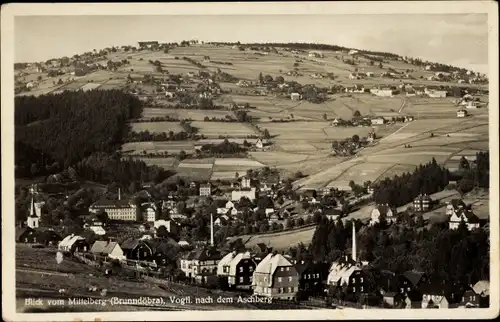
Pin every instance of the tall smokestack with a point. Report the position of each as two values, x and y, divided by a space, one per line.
211 229
353 242
119 194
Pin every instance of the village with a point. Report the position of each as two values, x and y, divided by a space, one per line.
233 180
159 251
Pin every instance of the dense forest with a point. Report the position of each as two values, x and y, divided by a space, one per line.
443 254
78 128
400 190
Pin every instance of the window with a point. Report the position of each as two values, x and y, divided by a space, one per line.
251 279
288 269
280 290
290 289
317 275
361 288
282 269
352 280
402 290
241 269
361 280
250 269
241 279
290 278
308 276
279 279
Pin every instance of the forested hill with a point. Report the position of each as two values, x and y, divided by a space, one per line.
66 128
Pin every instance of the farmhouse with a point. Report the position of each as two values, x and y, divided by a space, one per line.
107 248
378 121
136 249
435 93
382 92
383 211
26 235
205 190
465 215
317 54
73 243
116 209
461 113
147 44
295 97
222 220
422 203
275 277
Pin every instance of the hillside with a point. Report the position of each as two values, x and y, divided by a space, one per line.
203 82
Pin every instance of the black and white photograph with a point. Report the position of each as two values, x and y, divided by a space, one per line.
254 161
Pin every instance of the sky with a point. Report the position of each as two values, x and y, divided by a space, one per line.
456 39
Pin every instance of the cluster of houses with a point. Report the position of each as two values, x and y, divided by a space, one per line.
456 211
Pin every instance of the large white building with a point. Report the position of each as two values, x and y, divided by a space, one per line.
116 209
236 195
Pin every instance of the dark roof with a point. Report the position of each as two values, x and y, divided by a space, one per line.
457 202
391 294
166 246
271 179
384 209
205 253
301 267
111 203
413 276
471 217
130 244
20 231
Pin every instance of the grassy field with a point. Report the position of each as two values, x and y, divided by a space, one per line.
157 127
304 144
195 115
216 129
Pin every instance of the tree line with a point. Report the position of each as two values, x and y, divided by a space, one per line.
400 190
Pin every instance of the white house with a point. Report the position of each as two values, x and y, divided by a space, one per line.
382 92
382 210
461 113
469 218
378 121
169 94
67 243
108 248
236 195
352 52
259 144
150 212
222 220
295 97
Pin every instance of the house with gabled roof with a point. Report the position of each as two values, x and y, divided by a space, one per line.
389 213
73 243
108 248
275 277
201 264
136 249
467 216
